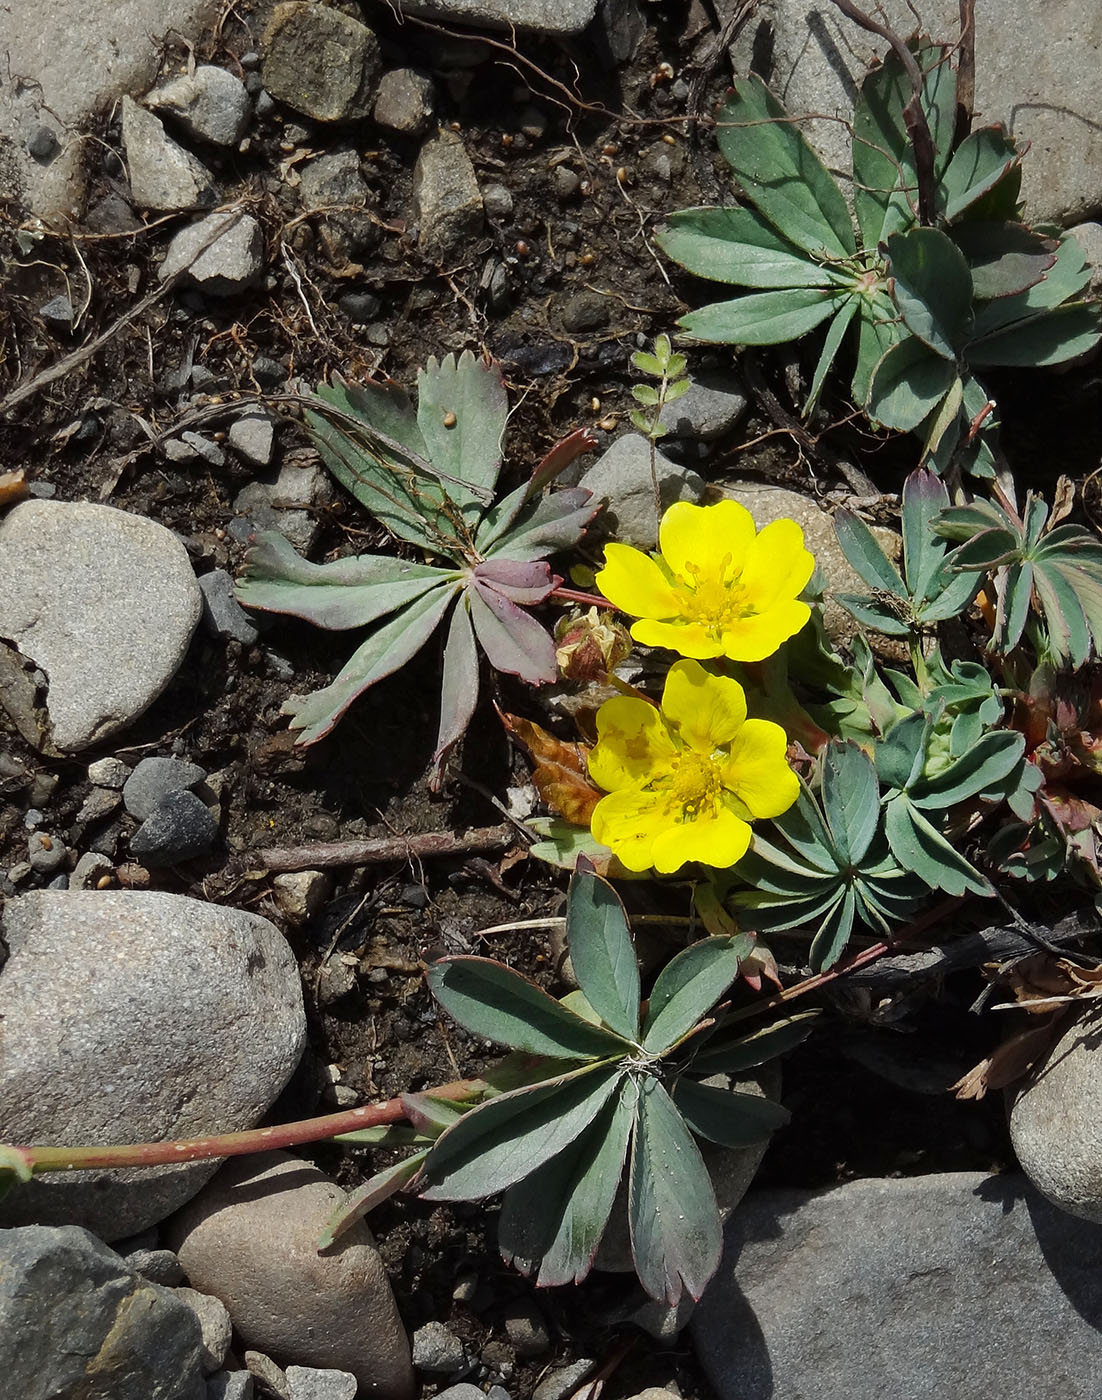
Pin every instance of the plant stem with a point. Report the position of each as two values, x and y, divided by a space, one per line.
280 1135
575 595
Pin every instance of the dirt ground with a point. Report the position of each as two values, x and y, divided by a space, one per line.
561 292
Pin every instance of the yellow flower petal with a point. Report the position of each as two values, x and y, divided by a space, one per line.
720 840
625 823
688 638
757 771
633 582
707 538
777 564
707 710
755 638
633 743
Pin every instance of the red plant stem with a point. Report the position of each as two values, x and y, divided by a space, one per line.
574 595
155 1154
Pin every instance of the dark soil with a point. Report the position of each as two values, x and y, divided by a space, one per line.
622 130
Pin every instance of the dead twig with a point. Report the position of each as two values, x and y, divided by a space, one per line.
379 850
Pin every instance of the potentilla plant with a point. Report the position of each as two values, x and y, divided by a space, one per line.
936 282
428 474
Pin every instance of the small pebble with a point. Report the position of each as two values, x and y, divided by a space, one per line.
437 1350
526 1329
265 1370
223 615
90 869
497 202
108 772
559 1384
230 1385
180 828
98 805
216 1327
154 779
45 853
158 1266
463 1391
58 311
312 1383
42 144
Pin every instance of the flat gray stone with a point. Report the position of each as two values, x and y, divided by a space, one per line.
250 1238
622 480
223 615
230 1385
320 61
163 176
1055 1125
1044 87
957 1285
437 1349
181 827
191 1022
104 602
769 503
252 435
76 1321
222 254
68 69
711 407
446 197
211 104
570 17
214 1323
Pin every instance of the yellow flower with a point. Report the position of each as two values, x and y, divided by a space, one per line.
684 782
720 588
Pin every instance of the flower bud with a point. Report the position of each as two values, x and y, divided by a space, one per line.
589 645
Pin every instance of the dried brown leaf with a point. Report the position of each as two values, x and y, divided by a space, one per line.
561 774
1013 1059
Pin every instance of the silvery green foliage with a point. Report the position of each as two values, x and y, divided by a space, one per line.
428 473
929 300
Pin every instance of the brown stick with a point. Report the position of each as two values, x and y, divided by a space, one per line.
378 850
966 71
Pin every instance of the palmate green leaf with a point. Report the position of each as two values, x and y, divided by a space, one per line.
979 163
1052 338
676 1237
762 318
561 843
527 530
851 800
389 482
1067 279
491 1000
345 593
512 639
553 1220
602 953
832 343
900 753
1066 625
726 1116
384 652
986 764
921 848
688 987
878 329
781 174
880 617
932 287
372 1193
1004 258
731 243
469 395
864 554
908 384
833 933
737 1055
924 497
460 682
501 1141
885 183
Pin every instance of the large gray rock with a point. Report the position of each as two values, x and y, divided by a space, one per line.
1055 1125
76 1323
134 1016
211 104
163 175
222 254
250 1238
69 67
446 197
1044 85
960 1285
103 602
769 503
320 61
621 479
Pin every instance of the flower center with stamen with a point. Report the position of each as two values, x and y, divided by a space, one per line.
696 784
711 599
